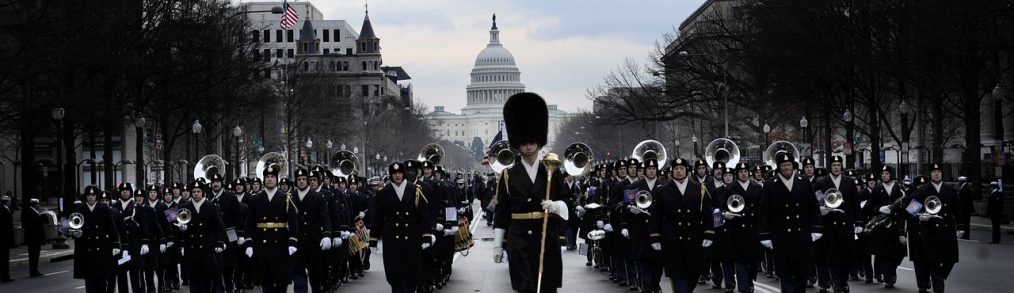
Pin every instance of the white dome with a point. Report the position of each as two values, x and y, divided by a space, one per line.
494 54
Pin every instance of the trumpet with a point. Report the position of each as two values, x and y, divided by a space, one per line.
76 221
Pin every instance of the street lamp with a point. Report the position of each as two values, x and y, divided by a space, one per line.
309 146
725 83
140 167
767 138
237 132
196 128
676 143
847 117
58 114
903 151
694 139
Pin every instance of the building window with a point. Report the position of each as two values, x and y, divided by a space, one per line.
345 66
376 90
365 90
256 36
267 55
337 36
279 53
306 66
289 36
291 53
364 65
348 51
383 91
256 55
326 51
278 36
375 65
267 36
327 36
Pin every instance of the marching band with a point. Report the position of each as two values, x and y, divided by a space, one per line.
648 221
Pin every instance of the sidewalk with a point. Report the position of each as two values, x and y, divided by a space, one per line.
984 224
19 255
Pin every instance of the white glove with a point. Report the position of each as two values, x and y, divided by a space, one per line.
439 227
579 209
608 228
556 207
729 215
706 243
219 249
961 233
462 210
292 250
74 233
169 244
161 248
656 246
144 249
635 210
824 211
183 227
116 251
249 252
924 217
346 235
427 244
599 224
859 230
451 231
885 210
325 243
767 243
625 233
497 254
240 241
360 216
815 236
181 251
336 241
903 240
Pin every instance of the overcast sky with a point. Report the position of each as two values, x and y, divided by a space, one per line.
562 47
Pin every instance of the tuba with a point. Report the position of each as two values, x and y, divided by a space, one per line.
503 156
722 150
208 165
577 159
777 148
272 158
344 163
76 221
650 149
736 203
433 153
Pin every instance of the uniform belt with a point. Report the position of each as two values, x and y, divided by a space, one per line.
527 216
272 225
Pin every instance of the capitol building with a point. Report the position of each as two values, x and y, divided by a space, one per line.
494 78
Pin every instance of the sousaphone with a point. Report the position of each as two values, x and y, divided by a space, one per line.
650 149
577 159
208 165
344 163
722 150
777 148
272 158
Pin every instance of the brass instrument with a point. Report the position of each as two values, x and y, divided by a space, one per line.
183 217
777 148
76 221
272 158
736 203
503 156
643 201
722 150
833 199
577 159
433 153
208 165
344 163
596 235
933 206
360 240
884 220
650 149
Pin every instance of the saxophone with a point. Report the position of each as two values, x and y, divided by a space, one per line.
882 220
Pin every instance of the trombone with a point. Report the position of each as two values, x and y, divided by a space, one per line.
736 204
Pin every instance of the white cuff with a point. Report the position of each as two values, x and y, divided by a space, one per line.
498 234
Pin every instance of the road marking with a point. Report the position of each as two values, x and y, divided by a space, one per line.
967 240
907 269
767 287
54 273
79 287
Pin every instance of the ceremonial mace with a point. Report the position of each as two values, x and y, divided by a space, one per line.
551 161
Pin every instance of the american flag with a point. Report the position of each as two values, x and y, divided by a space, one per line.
289 16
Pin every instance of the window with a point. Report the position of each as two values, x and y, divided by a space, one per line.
256 36
348 51
288 36
345 66
365 90
279 53
267 55
348 91
364 65
326 51
383 91
267 73
375 65
306 48
326 36
278 36
337 36
291 53
331 66
306 66
267 36
376 90
256 55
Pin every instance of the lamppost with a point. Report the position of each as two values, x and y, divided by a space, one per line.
725 83
237 132
767 138
694 139
375 168
139 158
309 147
196 128
998 149
849 144
327 157
903 151
58 114
676 143
803 123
